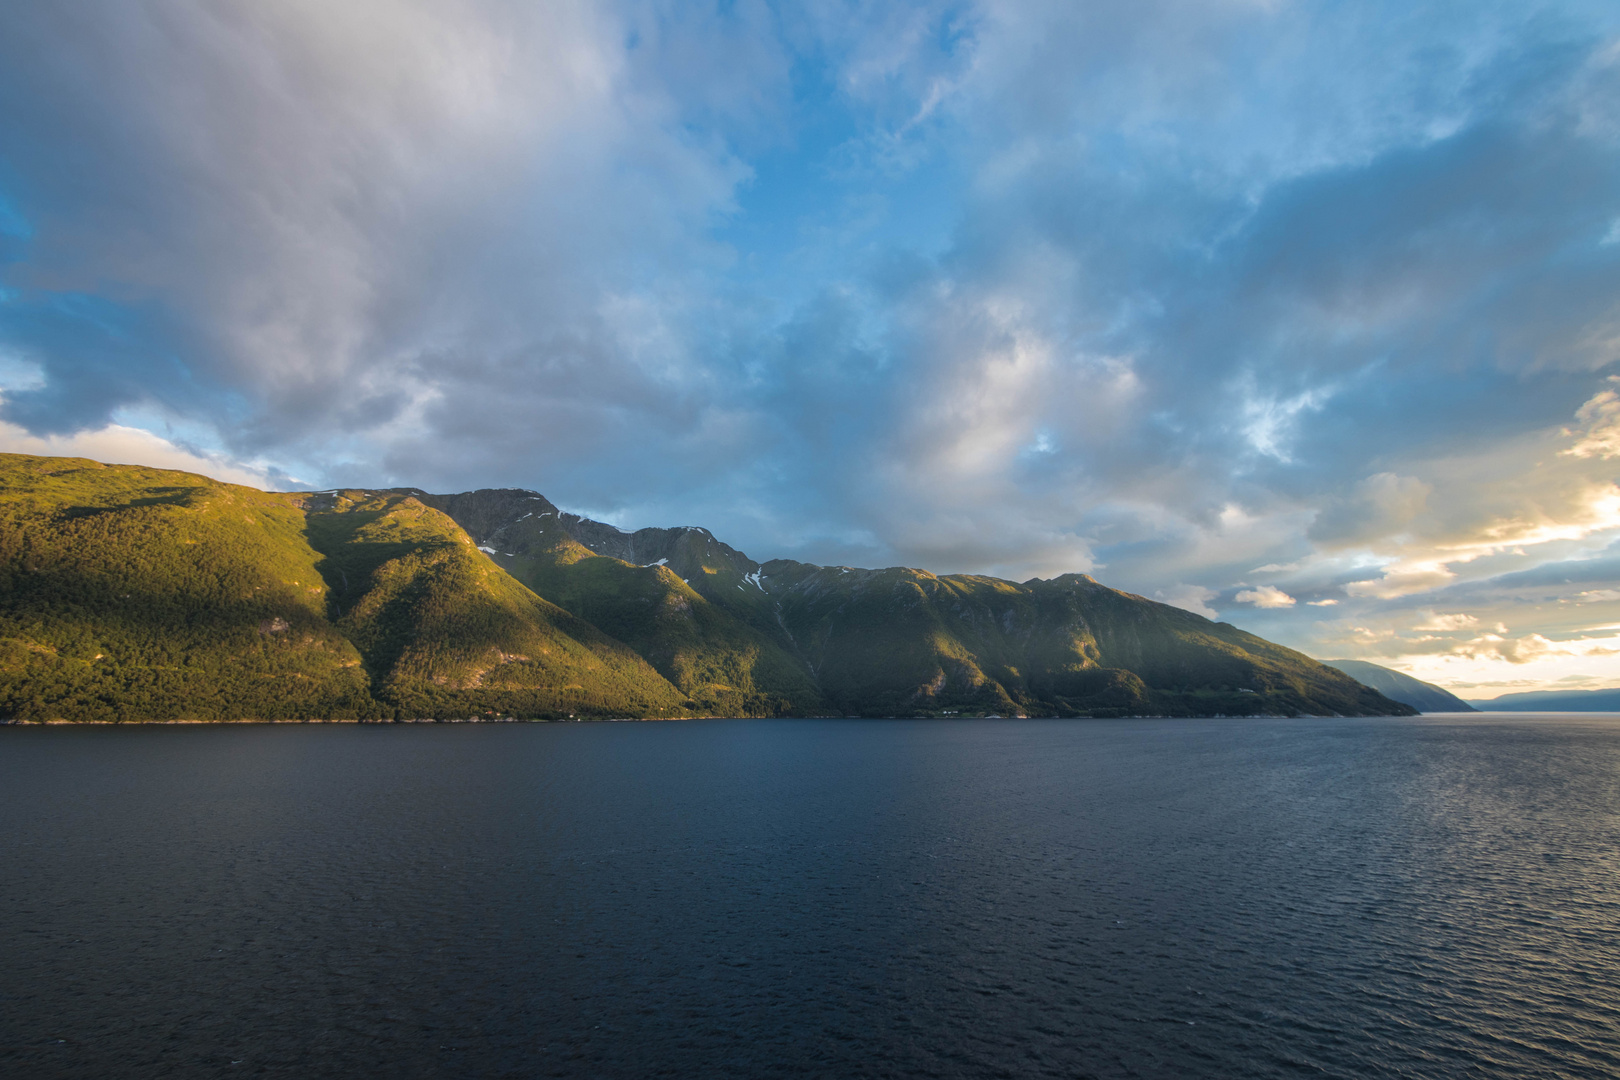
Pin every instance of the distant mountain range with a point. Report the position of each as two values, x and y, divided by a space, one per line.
1555 701
1422 696
129 593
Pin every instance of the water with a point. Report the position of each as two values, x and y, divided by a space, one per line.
1267 898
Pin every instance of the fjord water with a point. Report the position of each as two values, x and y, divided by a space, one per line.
1434 896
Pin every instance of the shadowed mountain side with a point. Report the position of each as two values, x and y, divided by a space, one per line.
895 641
1422 696
905 641
716 655
1555 701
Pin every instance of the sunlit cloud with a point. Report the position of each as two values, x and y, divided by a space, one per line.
1598 433
119 445
1404 578
1266 596
1447 622
1594 596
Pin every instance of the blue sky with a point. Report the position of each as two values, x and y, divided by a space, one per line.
1301 315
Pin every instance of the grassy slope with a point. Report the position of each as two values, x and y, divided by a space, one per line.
129 593
443 630
720 661
134 593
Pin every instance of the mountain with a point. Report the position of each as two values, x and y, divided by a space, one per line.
443 632
664 592
1555 701
134 593
1422 696
800 637
129 593
904 640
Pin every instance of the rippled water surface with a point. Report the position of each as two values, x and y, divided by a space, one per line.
1426 897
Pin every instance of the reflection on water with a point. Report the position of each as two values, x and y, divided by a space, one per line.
1424 897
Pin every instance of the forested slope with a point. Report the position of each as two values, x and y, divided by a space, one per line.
129 593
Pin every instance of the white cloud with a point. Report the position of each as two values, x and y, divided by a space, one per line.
1514 651
1403 579
1194 598
1435 621
118 445
1269 423
1595 596
352 210
1265 596
1599 432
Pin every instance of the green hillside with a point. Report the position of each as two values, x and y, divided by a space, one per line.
655 593
443 631
129 593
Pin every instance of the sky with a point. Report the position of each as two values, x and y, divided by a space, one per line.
1303 316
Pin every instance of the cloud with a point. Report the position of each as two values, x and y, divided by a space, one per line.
1447 623
116 444
1494 659
1404 579
1265 596
348 225
1599 432
1020 289
1514 651
1380 505
1194 598
1592 596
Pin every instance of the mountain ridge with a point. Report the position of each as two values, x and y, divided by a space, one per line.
1607 700
1398 686
392 604
964 654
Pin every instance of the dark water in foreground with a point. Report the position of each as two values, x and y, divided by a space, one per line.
1429 897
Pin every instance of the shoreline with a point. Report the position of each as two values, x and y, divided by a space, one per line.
664 719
